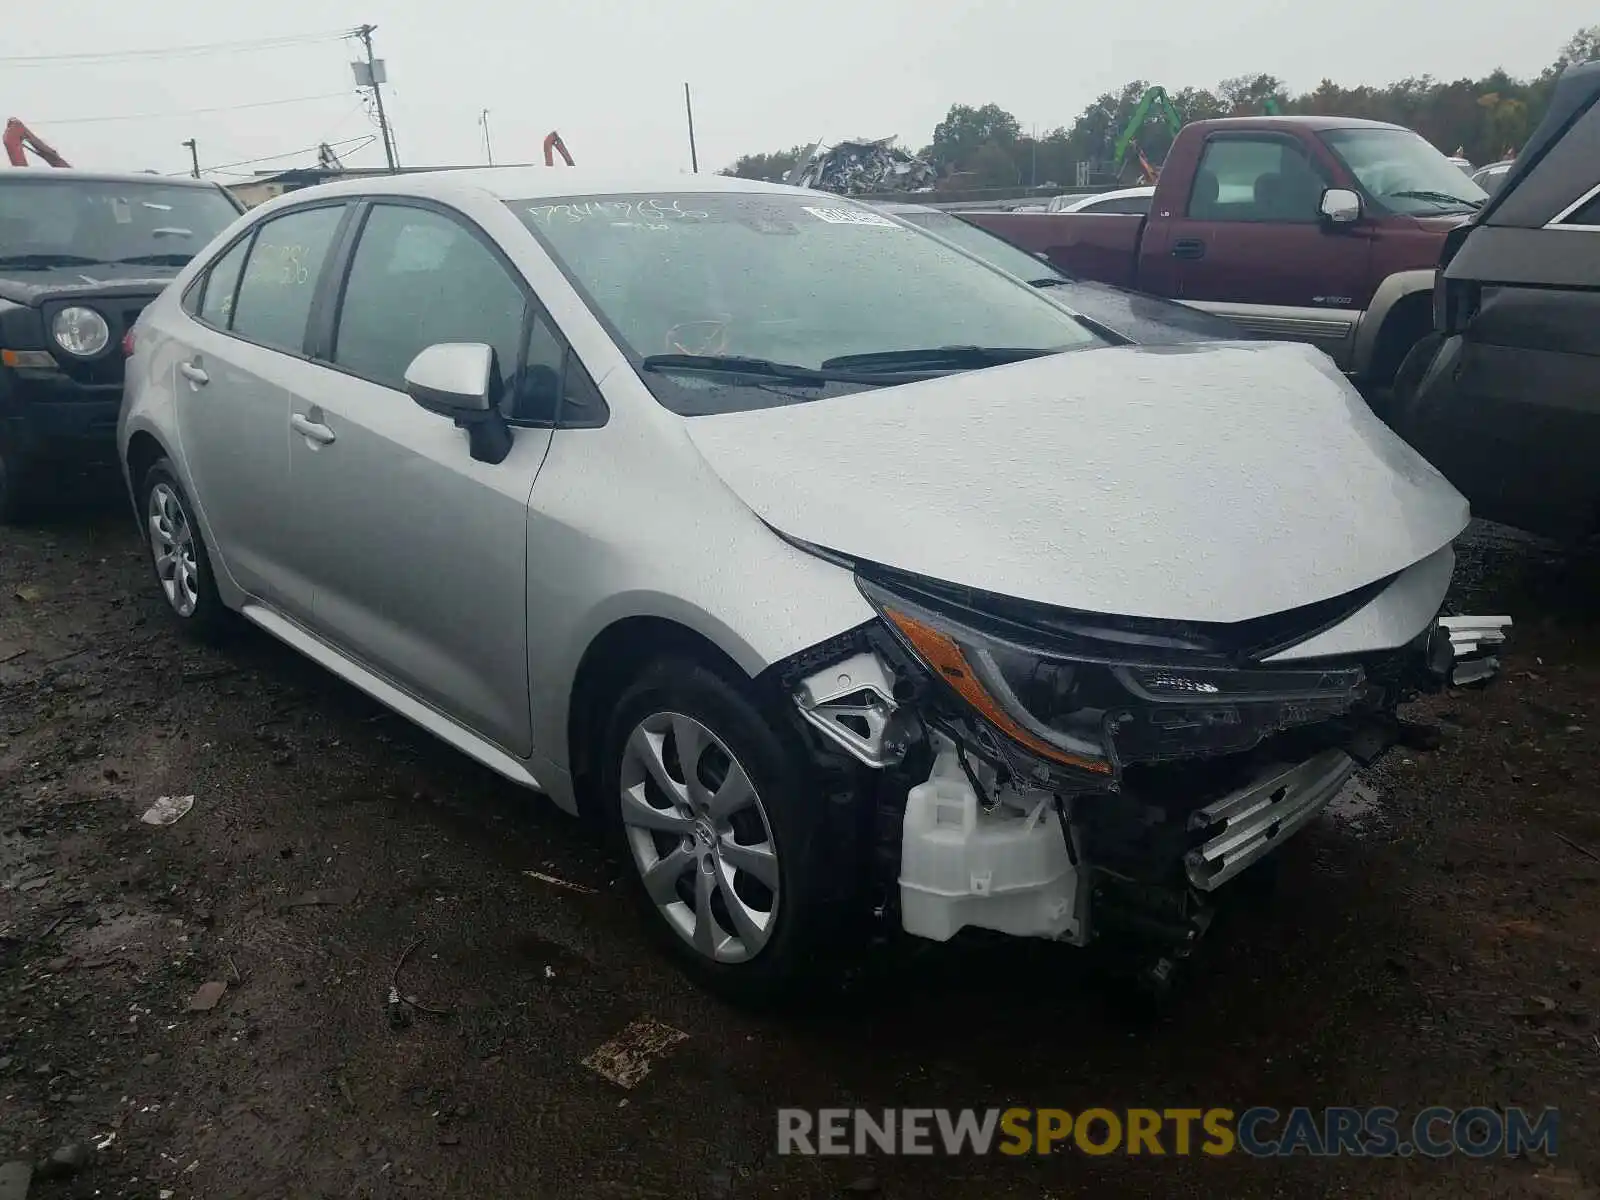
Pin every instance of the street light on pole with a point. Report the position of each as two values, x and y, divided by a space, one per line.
194 157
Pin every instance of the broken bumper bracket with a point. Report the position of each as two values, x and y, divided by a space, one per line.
1465 650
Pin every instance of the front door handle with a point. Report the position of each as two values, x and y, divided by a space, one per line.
305 426
1188 248
194 373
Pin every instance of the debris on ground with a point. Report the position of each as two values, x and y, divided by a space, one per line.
342 895
206 998
397 997
625 1059
560 883
168 810
15 1178
65 1162
859 168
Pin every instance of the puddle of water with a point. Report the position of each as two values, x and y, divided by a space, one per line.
1358 808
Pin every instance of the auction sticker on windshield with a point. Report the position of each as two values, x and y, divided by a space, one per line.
850 216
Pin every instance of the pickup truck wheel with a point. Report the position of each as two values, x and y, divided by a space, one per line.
1412 369
178 555
725 847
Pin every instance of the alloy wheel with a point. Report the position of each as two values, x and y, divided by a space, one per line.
700 837
172 548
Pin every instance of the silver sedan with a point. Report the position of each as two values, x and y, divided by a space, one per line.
840 575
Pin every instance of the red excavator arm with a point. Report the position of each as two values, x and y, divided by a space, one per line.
552 144
18 136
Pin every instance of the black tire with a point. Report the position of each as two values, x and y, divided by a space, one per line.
820 875
207 620
1412 369
16 491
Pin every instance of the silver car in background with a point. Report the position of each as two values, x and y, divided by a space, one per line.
834 571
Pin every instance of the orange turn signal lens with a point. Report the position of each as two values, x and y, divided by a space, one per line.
944 654
36 359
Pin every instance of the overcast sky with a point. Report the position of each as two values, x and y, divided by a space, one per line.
609 76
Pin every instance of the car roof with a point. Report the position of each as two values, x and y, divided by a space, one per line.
53 174
542 183
1316 122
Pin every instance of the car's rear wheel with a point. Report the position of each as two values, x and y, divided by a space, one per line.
725 845
178 554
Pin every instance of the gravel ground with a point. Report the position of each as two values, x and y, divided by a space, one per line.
1434 945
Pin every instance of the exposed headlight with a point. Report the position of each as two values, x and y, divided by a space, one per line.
80 331
1093 707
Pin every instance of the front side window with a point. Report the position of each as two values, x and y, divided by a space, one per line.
418 278
280 277
84 221
1256 179
1404 172
222 280
793 279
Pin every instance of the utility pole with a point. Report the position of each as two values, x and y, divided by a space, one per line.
373 77
488 146
688 108
194 157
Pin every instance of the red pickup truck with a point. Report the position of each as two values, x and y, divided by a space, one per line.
1314 229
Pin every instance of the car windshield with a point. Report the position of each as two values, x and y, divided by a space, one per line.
993 250
106 221
1404 172
796 280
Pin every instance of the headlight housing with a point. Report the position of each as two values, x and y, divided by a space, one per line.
1090 706
80 331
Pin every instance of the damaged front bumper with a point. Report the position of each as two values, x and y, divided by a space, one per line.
1198 776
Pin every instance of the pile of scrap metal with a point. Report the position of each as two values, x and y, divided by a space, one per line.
861 168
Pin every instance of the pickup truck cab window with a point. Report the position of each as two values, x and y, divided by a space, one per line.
1255 178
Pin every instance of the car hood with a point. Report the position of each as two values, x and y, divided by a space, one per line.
1204 482
67 283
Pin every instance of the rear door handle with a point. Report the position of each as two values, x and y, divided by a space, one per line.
1188 248
305 426
194 373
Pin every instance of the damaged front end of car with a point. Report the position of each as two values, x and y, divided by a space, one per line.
1046 773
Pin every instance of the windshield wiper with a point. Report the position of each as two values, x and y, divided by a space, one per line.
1049 282
42 262
1436 197
936 358
734 364
155 260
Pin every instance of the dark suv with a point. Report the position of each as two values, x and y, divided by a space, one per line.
81 254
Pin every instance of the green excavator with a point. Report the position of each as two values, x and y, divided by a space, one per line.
1156 100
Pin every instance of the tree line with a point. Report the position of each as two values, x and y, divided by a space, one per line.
985 146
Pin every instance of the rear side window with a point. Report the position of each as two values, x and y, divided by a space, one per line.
216 301
418 278
280 277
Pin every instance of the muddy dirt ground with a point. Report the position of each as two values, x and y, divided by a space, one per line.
1438 945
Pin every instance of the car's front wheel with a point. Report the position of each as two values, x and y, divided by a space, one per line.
178 554
726 846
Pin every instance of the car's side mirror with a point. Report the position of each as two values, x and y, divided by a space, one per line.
1340 206
461 380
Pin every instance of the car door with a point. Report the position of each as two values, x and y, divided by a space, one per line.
243 358
1252 246
420 551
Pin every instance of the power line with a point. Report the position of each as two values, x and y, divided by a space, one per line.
190 112
245 162
304 39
